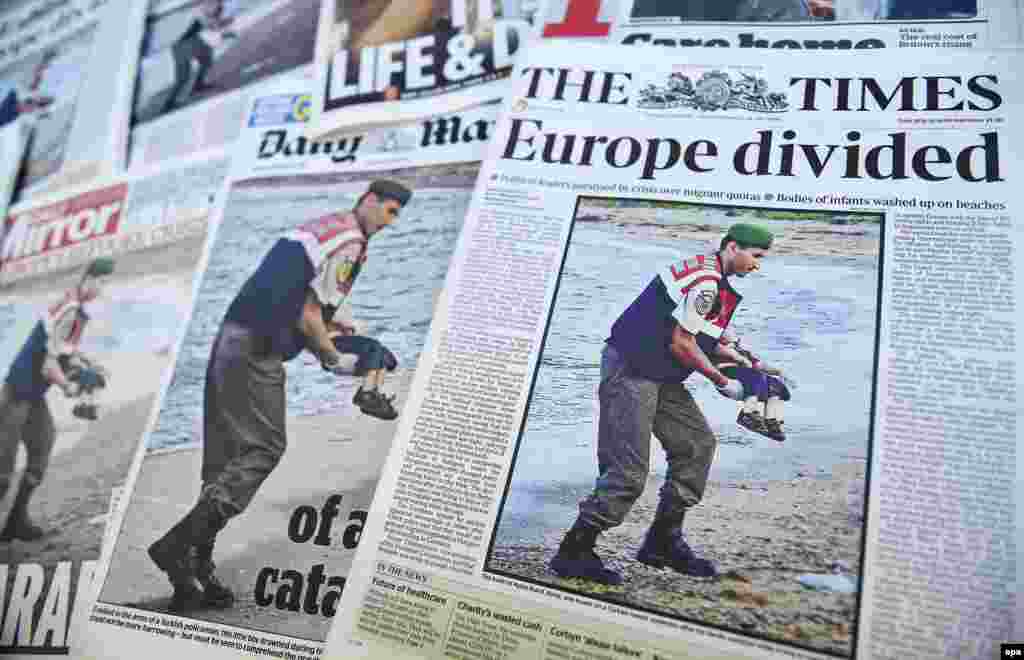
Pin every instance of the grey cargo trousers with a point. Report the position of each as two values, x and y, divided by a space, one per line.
632 408
243 419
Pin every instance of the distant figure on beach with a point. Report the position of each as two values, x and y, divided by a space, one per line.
25 416
191 45
672 329
16 101
292 302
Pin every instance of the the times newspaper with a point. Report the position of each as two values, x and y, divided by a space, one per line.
50 53
820 25
66 451
389 61
859 502
202 61
296 519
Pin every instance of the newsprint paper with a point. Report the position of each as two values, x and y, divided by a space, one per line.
50 53
855 500
288 524
202 61
820 25
13 140
65 452
388 61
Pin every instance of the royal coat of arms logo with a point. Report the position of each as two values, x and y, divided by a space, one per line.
715 90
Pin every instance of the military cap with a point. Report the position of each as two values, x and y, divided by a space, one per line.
750 235
392 190
100 267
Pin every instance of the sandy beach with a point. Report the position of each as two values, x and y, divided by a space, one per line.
761 534
327 454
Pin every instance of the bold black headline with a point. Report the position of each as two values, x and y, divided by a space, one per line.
771 153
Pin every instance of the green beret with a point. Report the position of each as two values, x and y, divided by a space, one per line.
99 267
392 190
750 235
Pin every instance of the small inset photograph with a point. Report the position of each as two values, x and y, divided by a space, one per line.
45 87
805 10
699 428
286 394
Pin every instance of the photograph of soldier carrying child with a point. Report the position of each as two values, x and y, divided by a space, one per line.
288 390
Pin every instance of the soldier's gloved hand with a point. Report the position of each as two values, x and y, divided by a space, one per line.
732 389
339 364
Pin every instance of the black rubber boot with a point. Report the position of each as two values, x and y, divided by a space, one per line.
576 557
664 546
215 594
19 525
175 554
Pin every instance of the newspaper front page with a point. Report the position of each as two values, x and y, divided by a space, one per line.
726 366
390 61
906 26
50 52
288 521
202 62
69 440
13 140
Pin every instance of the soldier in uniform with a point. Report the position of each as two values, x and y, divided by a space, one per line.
287 305
669 331
25 417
